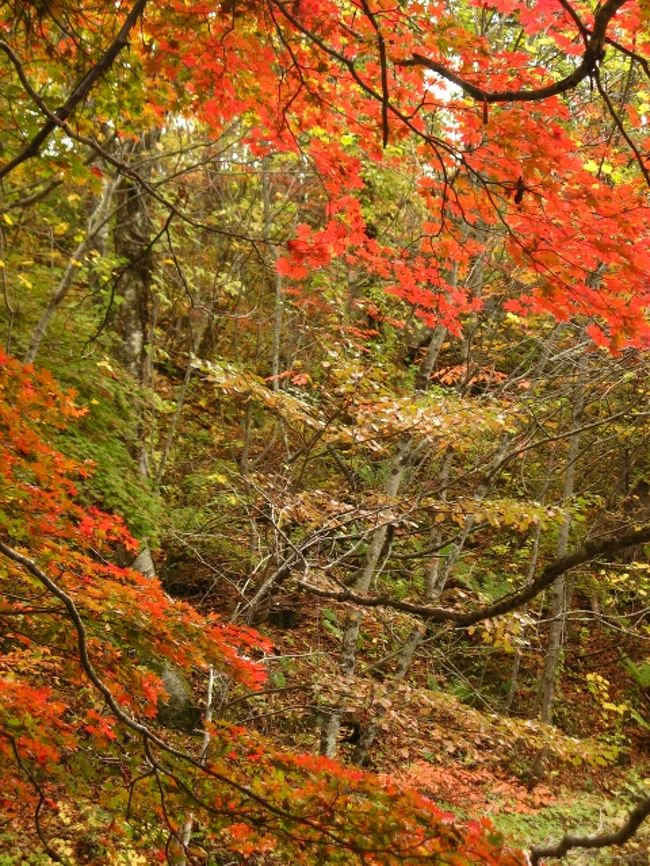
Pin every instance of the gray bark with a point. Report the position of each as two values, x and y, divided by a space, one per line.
329 732
96 226
177 710
132 239
559 591
278 306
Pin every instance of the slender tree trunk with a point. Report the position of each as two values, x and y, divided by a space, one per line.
429 361
185 836
407 653
197 338
558 603
132 236
12 310
278 292
329 732
96 225
171 432
516 661
398 468
433 585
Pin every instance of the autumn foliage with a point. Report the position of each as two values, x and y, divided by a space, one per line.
514 141
402 169
84 643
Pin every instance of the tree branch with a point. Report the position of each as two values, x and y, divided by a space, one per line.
600 840
79 93
148 735
590 58
381 45
590 550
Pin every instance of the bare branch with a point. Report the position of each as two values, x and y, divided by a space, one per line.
599 840
590 550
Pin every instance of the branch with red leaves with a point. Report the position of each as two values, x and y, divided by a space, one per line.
119 713
79 93
282 818
590 59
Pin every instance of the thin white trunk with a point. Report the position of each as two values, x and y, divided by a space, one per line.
95 226
329 732
559 593
407 653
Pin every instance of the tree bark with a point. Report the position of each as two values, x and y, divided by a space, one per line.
278 294
559 593
96 226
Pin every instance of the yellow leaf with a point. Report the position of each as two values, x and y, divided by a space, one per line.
7 219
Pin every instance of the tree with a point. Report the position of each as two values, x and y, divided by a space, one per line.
513 157
84 644
420 181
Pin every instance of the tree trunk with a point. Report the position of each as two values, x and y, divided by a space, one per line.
132 237
516 661
278 305
361 585
96 226
558 603
329 732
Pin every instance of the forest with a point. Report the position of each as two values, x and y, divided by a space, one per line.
324 432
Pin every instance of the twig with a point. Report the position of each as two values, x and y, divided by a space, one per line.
51 853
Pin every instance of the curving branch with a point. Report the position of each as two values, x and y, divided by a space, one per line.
599 840
282 812
42 800
618 123
591 57
588 551
79 93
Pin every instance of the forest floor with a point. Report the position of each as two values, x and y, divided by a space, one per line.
453 743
